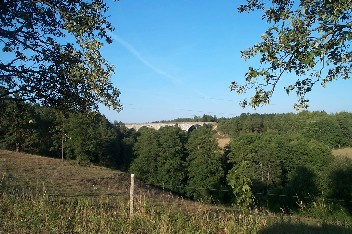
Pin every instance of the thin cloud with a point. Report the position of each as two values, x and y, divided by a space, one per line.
157 70
138 55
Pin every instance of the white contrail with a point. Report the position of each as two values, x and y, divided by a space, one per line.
138 55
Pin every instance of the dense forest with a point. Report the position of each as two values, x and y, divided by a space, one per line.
276 161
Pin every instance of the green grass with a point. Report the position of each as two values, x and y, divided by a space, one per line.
45 195
107 215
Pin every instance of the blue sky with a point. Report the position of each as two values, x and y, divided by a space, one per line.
177 59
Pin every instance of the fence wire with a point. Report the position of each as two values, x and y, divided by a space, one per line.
160 187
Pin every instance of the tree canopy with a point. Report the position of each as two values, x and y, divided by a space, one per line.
308 39
272 161
204 165
51 53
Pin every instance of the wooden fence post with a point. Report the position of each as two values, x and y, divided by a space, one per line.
131 194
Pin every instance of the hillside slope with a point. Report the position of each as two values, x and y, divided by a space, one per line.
54 177
47 195
60 177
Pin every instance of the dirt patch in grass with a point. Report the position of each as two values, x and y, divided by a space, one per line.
223 142
343 152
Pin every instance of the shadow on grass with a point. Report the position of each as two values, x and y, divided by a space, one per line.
305 228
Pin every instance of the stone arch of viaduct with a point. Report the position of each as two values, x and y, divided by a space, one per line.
185 126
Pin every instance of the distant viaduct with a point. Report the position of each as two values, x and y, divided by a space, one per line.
185 126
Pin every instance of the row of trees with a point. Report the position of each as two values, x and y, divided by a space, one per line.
279 164
268 154
85 137
186 164
278 160
168 157
204 118
289 154
254 166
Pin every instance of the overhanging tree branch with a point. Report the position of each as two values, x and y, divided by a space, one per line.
315 34
29 34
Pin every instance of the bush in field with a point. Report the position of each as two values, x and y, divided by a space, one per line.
239 178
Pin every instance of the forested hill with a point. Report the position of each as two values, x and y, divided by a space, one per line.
276 154
335 130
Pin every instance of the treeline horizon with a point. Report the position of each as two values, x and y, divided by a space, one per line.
203 118
268 154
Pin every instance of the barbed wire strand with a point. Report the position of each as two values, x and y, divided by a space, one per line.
160 187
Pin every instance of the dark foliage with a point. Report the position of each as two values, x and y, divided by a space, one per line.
52 54
284 161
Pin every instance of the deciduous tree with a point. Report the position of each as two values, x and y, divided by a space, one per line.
51 53
171 160
204 165
146 151
91 139
308 40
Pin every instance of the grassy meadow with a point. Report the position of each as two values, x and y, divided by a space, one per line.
46 195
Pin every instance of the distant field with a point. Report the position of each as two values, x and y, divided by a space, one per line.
344 152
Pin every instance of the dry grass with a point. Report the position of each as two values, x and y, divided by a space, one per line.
223 139
343 152
68 179
93 199
39 193
58 176
224 142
